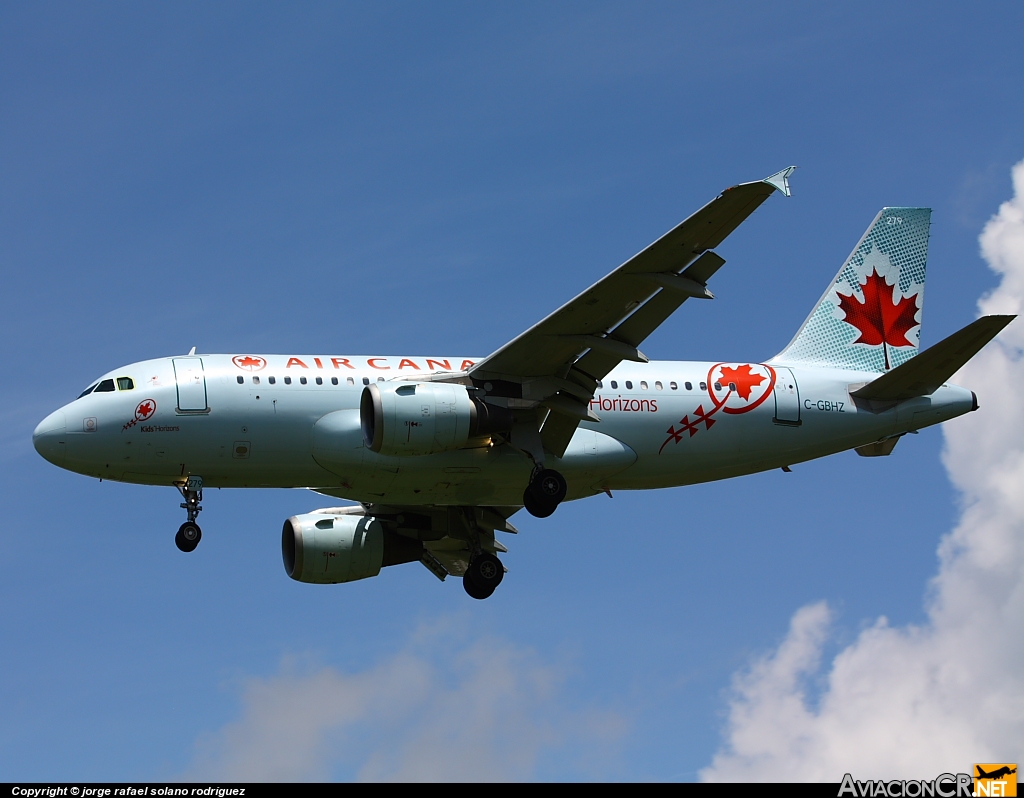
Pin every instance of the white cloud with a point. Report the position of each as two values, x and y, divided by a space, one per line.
438 711
915 701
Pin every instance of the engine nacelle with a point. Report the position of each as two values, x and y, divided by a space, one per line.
326 549
425 417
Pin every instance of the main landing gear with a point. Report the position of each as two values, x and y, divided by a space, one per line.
484 574
545 492
189 533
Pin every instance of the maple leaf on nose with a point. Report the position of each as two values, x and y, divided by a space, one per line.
881 318
745 381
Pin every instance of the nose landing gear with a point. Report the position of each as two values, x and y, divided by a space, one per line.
545 492
189 533
188 537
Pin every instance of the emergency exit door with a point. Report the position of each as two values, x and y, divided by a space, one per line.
787 398
191 381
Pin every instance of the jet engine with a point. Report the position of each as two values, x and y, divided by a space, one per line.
425 418
327 547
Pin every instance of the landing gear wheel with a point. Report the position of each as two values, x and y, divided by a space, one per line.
549 486
536 507
473 589
486 570
188 537
483 576
545 492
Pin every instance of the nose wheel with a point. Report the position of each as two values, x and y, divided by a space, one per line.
188 537
545 492
189 533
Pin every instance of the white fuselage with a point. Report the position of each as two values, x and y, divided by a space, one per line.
293 421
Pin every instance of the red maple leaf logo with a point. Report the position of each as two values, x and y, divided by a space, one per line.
881 318
145 409
743 378
249 363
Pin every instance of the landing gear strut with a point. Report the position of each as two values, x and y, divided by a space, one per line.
189 533
484 574
545 492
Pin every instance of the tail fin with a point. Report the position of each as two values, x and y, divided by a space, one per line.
870 317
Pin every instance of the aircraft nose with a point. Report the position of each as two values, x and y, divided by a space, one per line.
50 437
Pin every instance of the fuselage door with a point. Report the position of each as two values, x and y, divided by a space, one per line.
188 374
787 398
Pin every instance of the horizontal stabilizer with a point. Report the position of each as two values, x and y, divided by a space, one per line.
922 375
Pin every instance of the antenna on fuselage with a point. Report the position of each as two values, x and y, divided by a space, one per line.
192 351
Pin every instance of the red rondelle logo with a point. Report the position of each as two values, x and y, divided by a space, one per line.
733 390
145 410
249 362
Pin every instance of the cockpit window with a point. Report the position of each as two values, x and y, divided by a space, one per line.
88 390
125 383
105 387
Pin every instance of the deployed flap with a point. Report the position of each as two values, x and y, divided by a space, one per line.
647 318
922 375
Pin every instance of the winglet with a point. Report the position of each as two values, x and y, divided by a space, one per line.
780 180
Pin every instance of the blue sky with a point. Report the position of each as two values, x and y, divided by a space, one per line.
410 178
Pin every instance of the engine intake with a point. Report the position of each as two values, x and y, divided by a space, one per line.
425 418
327 549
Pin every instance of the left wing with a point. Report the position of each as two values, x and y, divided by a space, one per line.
556 363
441 537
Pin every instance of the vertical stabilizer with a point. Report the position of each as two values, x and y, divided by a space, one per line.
870 317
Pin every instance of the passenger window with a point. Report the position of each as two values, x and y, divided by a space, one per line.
255 380
673 386
302 380
240 379
643 384
105 387
614 384
718 386
319 380
366 380
703 386
600 384
287 380
334 380
689 386
629 385
658 386
350 381
272 380
732 386
380 379
125 383
88 390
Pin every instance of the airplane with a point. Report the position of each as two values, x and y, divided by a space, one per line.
437 453
998 773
